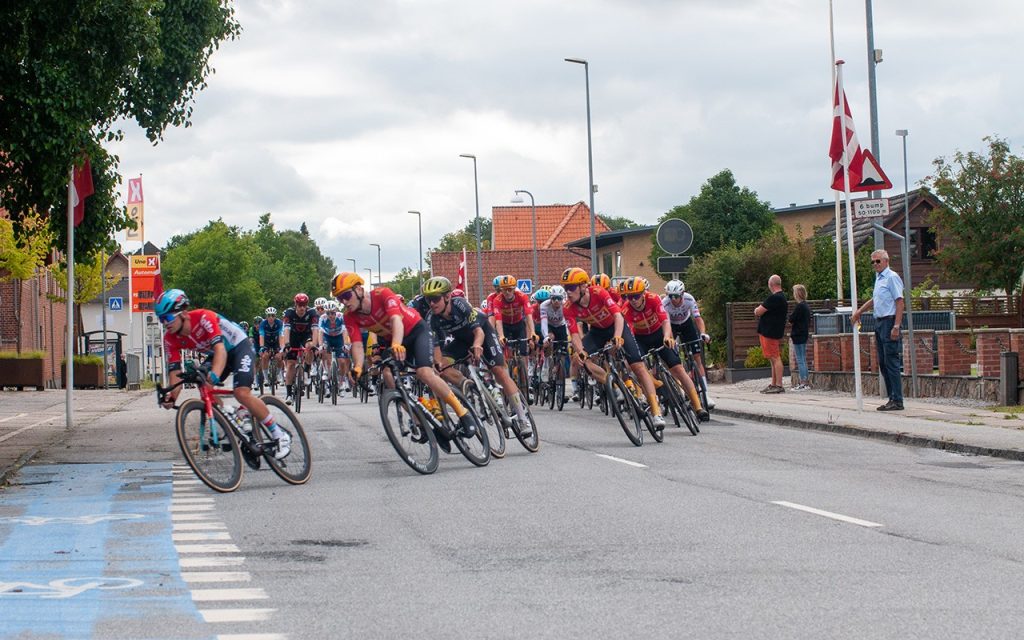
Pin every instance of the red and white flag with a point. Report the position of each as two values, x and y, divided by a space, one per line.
865 174
462 271
81 188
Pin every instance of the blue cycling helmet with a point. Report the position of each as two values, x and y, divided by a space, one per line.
542 295
170 304
497 282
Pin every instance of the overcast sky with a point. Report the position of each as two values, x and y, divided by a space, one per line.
345 115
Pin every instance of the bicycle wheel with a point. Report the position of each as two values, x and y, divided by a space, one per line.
476 449
415 445
617 398
532 442
581 384
364 389
334 381
296 467
218 464
298 388
272 373
682 405
489 418
259 378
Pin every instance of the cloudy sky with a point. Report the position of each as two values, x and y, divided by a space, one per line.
345 115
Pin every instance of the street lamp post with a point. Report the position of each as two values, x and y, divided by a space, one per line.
479 258
353 261
907 286
370 281
590 166
518 199
419 221
374 244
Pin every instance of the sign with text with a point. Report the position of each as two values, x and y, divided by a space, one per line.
674 264
870 208
146 282
135 210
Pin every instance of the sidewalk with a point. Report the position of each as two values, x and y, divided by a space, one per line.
927 422
33 420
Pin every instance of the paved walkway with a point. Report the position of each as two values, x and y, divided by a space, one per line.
33 420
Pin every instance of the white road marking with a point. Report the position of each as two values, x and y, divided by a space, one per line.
199 526
180 499
629 462
200 536
207 548
181 517
220 595
14 417
827 514
34 424
252 636
191 507
236 615
216 576
211 561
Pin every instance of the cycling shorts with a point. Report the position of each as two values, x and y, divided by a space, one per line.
336 344
517 331
597 337
419 346
686 332
492 355
655 340
240 363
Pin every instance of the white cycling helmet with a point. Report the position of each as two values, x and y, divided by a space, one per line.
320 302
557 291
675 288
332 305
270 311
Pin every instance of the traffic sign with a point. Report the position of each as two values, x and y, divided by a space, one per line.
875 208
673 264
116 303
525 285
674 236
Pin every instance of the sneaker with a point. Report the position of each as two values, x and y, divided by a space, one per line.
284 442
324 377
777 389
768 389
891 406
525 429
659 422
288 399
467 427
703 415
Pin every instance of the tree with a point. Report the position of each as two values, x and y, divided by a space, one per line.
20 257
71 72
288 262
980 226
722 213
89 283
406 282
615 223
466 237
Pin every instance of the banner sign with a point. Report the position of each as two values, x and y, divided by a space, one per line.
146 282
135 209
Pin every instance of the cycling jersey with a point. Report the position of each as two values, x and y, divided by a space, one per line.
600 313
679 314
384 305
488 305
420 304
511 311
271 332
254 335
207 330
460 326
332 329
300 325
648 320
535 312
551 317
614 293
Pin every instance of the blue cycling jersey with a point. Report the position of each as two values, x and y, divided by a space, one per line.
332 329
271 331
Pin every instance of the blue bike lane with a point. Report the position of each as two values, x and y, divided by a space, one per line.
86 552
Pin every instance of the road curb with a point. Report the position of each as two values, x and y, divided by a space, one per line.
886 436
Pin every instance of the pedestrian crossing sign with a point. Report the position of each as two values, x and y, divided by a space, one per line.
525 285
116 303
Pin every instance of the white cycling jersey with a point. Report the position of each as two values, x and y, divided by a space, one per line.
686 309
551 317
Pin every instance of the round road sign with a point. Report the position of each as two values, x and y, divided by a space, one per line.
674 236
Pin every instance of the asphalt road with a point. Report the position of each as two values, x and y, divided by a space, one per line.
746 531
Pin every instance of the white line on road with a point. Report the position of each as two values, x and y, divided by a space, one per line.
252 636
14 417
198 526
216 576
200 536
190 507
211 561
207 548
219 595
236 615
180 517
629 462
827 514
34 424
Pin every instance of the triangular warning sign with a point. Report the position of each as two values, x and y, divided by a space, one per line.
872 178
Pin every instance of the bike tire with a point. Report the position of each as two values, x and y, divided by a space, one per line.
273 377
489 416
624 410
685 408
414 443
297 466
334 382
217 468
298 388
476 449
532 442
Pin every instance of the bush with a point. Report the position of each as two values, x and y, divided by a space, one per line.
24 355
755 357
85 359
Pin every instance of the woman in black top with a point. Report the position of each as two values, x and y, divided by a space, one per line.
800 321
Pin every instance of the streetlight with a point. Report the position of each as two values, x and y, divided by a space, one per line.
479 259
370 281
590 165
906 267
374 244
353 261
419 221
518 199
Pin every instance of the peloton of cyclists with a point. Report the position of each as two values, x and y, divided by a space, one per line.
301 331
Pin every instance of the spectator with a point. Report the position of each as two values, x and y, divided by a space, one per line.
122 372
771 327
887 302
800 321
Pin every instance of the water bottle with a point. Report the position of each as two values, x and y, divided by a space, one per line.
243 419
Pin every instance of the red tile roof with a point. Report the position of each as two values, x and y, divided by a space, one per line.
557 224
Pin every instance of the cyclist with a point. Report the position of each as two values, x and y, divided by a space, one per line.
687 325
300 329
538 297
320 304
602 280
593 305
514 317
270 329
381 312
553 327
228 351
464 331
651 328
332 331
488 304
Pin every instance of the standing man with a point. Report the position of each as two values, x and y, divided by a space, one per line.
771 326
887 301
122 372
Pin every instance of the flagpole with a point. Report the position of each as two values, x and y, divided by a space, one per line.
69 366
838 237
849 233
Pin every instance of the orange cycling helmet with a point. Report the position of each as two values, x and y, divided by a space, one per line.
602 280
574 275
636 284
344 281
507 282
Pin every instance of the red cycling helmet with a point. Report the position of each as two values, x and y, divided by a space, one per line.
301 299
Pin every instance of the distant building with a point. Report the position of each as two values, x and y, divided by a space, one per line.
623 253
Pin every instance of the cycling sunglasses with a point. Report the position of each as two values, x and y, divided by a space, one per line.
558 298
433 299
345 295
571 287
675 296
168 318
634 296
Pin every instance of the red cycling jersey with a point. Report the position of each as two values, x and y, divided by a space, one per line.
536 313
488 307
384 304
614 293
648 320
599 313
511 311
207 329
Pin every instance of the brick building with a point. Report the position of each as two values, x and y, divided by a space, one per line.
557 225
30 321
624 253
517 262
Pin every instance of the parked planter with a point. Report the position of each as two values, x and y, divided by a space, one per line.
87 376
21 373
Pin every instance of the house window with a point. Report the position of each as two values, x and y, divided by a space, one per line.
606 264
922 243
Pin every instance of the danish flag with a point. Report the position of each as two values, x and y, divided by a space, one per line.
865 174
462 272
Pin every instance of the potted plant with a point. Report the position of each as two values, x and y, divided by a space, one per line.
22 370
88 372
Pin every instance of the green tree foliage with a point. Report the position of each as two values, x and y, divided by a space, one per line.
466 237
721 214
980 227
616 223
289 262
71 72
406 282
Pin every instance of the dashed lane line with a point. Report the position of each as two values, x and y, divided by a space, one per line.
827 514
